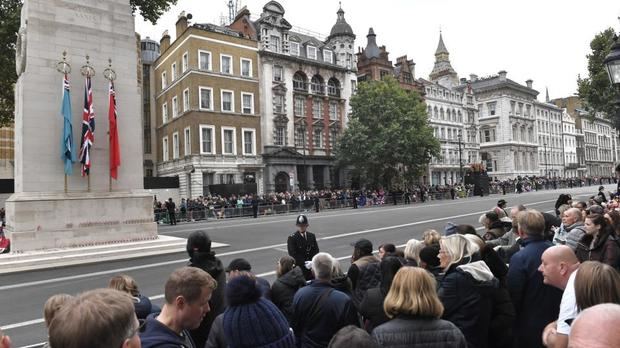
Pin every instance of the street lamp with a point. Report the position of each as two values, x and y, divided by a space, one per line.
460 157
612 63
546 162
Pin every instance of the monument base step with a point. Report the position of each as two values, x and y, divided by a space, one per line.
54 258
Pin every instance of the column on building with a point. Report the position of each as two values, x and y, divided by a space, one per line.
309 177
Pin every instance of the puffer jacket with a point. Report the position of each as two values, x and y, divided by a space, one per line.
574 233
466 291
406 331
212 265
284 288
606 249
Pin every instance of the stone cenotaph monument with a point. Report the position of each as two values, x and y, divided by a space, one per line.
48 211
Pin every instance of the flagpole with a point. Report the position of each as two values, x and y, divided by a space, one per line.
65 68
88 71
110 75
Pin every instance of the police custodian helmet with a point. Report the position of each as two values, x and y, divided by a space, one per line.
301 220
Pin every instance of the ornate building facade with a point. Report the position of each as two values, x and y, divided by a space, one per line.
551 148
305 84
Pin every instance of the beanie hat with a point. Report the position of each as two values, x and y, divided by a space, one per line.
429 254
198 241
251 321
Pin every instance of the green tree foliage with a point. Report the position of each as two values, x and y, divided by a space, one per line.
595 91
388 140
9 25
151 10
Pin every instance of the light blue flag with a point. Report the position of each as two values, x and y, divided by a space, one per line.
67 148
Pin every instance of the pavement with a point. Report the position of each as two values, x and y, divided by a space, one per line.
261 241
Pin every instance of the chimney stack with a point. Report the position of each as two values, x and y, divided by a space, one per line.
164 43
529 83
181 24
502 75
473 77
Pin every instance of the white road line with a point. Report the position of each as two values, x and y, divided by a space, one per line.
236 252
22 324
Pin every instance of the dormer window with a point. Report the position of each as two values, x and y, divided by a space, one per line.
274 43
328 56
294 49
311 52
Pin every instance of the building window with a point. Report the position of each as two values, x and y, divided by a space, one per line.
318 138
299 82
164 113
246 67
333 111
228 101
333 87
349 60
204 60
164 80
317 105
175 145
173 72
300 104
317 85
249 139
274 43
165 148
175 107
294 49
278 104
279 134
228 141
226 64
300 137
383 74
278 73
247 101
185 100
491 107
184 62
328 56
187 142
333 136
206 98
311 52
206 140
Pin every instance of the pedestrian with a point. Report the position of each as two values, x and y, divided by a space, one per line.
536 303
596 283
386 250
364 271
100 318
290 279
319 310
171 207
596 327
255 206
302 245
317 202
371 307
600 242
241 266
201 256
412 252
352 336
142 304
452 192
187 293
572 229
415 311
50 308
252 321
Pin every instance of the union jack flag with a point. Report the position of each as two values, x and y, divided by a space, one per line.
88 128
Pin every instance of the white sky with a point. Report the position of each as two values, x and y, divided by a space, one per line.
545 40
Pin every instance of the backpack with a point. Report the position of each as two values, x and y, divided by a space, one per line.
369 277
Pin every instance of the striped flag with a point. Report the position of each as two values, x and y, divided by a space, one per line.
88 128
115 149
67 147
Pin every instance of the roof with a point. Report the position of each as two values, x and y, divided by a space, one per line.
341 27
372 50
495 83
441 47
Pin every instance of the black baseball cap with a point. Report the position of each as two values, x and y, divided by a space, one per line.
239 265
363 245
301 220
501 202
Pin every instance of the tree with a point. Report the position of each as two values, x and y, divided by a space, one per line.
10 11
9 24
595 91
388 140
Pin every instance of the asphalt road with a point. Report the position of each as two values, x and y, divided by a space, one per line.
262 241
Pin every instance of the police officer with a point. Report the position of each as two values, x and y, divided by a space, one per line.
302 245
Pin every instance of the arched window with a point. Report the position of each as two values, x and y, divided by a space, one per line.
300 82
435 113
333 87
316 84
441 114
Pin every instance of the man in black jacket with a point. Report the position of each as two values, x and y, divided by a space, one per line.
302 245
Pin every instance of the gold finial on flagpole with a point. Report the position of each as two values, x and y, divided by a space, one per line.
63 67
109 73
87 69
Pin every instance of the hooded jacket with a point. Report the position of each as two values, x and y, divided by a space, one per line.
284 288
466 291
212 265
606 249
157 335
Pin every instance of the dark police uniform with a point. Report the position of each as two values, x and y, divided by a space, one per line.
302 248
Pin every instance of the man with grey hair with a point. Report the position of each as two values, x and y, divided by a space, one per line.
596 327
319 310
507 245
572 229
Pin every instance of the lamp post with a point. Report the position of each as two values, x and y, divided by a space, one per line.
612 63
460 157
546 162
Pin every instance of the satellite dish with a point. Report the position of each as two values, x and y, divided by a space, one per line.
189 16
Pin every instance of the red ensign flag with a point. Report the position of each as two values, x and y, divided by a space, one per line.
115 149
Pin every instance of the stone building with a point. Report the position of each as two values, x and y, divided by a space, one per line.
569 140
207 103
550 144
149 51
507 119
306 82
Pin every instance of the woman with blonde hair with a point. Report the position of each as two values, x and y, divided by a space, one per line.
415 312
596 283
431 237
142 304
412 252
466 289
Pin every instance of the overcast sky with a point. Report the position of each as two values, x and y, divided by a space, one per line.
545 40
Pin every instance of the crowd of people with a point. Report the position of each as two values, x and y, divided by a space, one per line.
529 279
